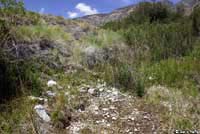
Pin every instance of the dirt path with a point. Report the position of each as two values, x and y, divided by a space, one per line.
105 110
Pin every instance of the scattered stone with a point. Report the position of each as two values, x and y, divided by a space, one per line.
67 93
50 94
51 83
114 118
40 110
91 91
82 90
105 109
108 125
76 127
112 108
33 98
135 129
115 93
101 89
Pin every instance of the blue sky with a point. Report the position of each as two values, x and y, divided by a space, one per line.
76 8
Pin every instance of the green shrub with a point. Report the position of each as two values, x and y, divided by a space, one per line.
196 53
124 77
174 73
15 77
146 13
196 20
104 38
162 40
38 32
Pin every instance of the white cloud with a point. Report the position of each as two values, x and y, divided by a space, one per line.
86 9
41 10
72 14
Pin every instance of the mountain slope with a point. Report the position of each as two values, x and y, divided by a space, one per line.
121 13
99 19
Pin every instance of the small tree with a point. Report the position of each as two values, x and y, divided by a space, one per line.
196 20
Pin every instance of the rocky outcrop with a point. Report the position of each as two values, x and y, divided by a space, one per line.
188 5
100 19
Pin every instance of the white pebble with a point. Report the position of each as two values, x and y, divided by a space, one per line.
51 83
91 90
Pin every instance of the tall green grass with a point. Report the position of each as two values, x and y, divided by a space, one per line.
103 38
38 32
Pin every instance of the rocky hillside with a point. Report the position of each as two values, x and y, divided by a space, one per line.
188 5
118 14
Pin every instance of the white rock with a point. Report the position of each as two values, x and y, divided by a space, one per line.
112 107
98 122
114 118
37 98
66 93
51 83
105 109
114 89
91 90
51 94
40 110
104 84
135 129
115 93
96 112
101 89
108 125
132 118
109 91
96 108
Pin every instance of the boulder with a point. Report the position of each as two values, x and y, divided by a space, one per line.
40 110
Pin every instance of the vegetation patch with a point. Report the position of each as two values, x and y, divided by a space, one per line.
39 32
